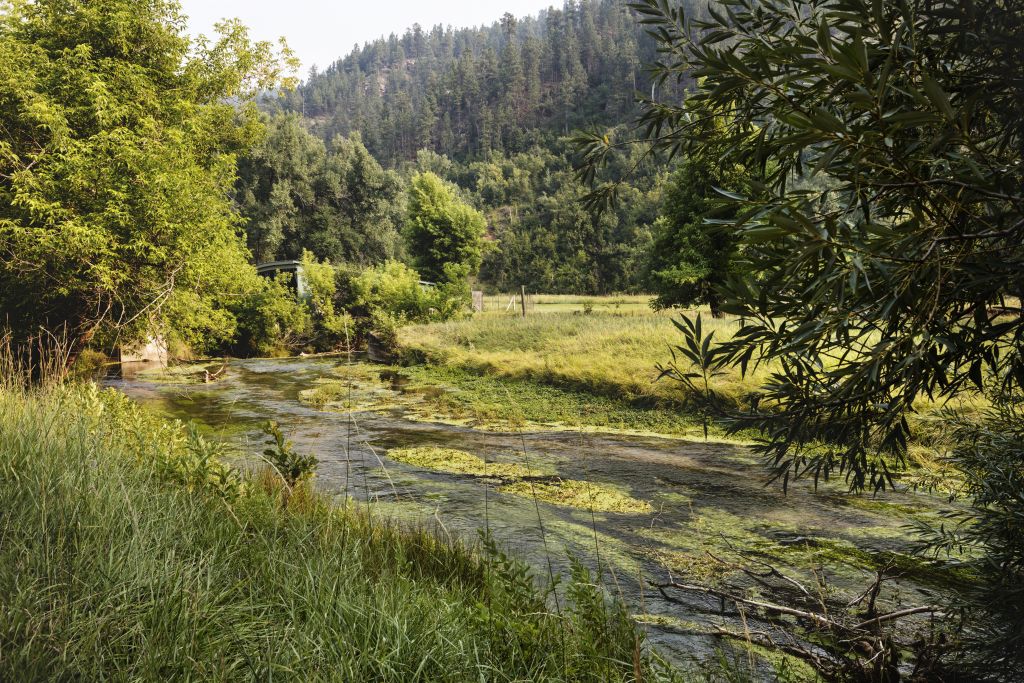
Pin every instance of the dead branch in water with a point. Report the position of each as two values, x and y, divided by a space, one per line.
850 641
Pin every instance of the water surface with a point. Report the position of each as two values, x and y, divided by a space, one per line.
705 496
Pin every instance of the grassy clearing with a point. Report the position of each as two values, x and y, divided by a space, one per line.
608 354
128 552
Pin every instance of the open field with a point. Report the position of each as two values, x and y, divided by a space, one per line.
614 353
497 304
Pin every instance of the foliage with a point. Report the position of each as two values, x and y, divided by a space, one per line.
271 320
690 260
440 229
334 200
990 454
115 163
470 91
884 232
702 366
891 275
333 328
395 290
545 238
484 108
293 468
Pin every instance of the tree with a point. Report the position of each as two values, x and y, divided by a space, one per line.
691 260
886 233
334 200
441 229
115 164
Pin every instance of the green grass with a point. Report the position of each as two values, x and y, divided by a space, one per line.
605 354
128 552
454 395
498 304
615 356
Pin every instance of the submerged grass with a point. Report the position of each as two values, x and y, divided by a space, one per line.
452 395
584 495
455 461
127 552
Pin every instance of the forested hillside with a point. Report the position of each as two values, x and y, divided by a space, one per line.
467 92
488 109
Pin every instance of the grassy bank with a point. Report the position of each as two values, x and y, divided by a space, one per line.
457 396
614 356
604 354
128 550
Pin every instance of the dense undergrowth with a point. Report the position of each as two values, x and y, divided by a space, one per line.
130 551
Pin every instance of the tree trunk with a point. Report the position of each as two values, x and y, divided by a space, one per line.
715 302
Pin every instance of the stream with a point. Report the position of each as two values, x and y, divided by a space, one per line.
704 496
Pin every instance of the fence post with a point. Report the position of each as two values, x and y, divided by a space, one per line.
522 298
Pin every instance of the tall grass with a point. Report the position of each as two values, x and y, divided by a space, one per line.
609 354
128 551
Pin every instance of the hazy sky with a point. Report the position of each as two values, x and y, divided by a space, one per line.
321 31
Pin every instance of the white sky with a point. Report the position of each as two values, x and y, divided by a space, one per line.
321 31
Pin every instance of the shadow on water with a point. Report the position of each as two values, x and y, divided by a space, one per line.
703 495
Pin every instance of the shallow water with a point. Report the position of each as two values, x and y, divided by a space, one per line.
704 495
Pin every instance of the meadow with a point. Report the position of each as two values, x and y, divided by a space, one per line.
609 351
498 304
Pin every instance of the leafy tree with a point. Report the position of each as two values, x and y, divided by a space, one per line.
897 272
690 260
333 200
885 233
441 229
117 154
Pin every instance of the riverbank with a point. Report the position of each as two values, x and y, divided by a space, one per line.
600 370
635 509
130 550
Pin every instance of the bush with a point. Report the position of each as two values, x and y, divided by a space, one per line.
332 328
271 321
390 295
990 534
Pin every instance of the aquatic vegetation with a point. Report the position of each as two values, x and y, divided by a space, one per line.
584 495
454 396
521 480
455 461
203 372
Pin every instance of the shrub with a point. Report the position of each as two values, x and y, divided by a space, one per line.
988 534
390 295
271 321
293 468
